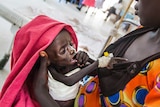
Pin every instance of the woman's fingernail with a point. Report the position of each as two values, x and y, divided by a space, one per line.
43 53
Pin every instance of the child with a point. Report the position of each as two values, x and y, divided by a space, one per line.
55 42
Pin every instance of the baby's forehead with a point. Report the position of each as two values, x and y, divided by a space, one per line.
64 34
62 37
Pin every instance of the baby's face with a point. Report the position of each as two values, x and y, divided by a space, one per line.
61 51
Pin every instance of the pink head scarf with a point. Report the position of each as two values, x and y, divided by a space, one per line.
34 37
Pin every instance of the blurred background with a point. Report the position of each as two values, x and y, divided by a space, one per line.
97 23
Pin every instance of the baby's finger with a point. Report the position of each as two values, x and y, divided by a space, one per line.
85 59
79 57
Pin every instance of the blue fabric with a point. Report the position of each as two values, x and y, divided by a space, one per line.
73 1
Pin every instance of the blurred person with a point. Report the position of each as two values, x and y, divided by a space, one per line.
73 1
80 5
115 9
88 4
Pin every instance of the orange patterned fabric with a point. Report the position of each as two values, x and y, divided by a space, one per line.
142 91
88 95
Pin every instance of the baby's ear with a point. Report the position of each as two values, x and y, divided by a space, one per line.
43 53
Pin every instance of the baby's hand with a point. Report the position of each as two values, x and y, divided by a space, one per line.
104 60
108 60
82 58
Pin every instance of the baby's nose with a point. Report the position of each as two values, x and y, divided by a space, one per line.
72 50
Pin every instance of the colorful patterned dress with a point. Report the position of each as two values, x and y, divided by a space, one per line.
141 91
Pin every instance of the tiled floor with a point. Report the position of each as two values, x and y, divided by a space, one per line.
92 30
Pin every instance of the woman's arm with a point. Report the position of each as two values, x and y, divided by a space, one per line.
40 88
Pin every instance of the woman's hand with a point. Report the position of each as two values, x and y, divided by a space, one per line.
40 85
41 79
82 58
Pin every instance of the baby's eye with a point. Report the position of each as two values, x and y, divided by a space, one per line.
71 43
62 51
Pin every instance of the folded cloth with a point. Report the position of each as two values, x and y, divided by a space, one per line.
60 91
32 38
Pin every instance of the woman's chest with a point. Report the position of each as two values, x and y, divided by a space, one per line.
142 48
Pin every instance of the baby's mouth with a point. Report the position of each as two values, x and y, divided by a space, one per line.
73 59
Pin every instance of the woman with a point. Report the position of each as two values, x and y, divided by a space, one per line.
142 88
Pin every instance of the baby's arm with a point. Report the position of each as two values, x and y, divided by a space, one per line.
74 78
